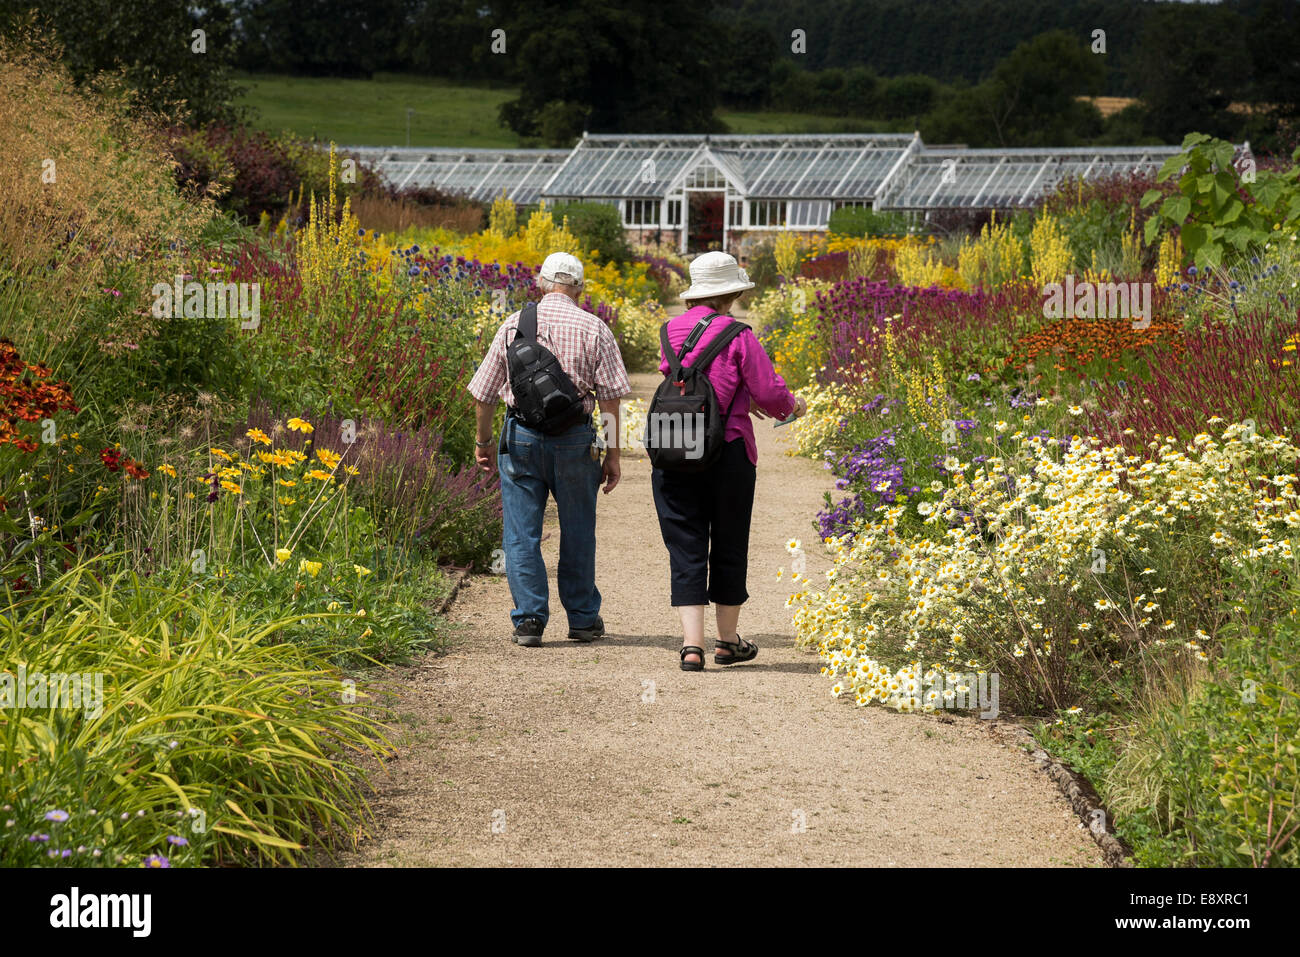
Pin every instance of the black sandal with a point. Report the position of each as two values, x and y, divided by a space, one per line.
741 650
692 665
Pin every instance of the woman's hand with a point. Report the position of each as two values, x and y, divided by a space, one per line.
800 407
756 412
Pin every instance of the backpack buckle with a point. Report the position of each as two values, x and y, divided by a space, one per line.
681 384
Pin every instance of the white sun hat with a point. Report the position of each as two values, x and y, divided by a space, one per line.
562 268
716 274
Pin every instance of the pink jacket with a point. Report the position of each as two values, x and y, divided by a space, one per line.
741 373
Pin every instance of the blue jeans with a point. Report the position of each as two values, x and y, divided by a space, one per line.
534 466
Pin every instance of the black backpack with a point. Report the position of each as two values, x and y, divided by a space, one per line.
545 397
684 428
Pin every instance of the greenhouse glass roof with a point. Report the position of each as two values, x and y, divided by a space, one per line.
888 170
1005 178
762 167
478 174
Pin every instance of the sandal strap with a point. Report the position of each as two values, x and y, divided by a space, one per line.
736 647
690 650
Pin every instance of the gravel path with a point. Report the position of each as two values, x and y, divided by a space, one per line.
562 755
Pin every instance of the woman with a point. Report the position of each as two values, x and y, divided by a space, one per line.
704 516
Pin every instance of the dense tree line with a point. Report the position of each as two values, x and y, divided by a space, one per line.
984 72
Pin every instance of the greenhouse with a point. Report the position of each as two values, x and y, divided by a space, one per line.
1004 178
481 175
703 192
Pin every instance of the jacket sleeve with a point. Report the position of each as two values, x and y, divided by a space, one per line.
757 374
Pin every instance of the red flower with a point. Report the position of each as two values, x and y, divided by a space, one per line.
111 459
136 470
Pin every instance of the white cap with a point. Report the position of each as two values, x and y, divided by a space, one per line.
716 274
562 268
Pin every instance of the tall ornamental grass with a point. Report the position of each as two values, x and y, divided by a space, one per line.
213 741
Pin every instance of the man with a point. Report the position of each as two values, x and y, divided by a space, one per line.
534 465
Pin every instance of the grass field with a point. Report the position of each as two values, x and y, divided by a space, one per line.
373 112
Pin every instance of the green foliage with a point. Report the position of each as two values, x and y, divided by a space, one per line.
1218 213
761 267
354 618
560 123
863 221
639 68
151 43
598 226
210 728
1030 100
345 38
1212 775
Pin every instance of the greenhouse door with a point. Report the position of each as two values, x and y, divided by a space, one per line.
705 220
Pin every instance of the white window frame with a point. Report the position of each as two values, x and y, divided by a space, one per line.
642 213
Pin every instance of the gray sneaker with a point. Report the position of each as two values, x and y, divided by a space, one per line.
529 633
590 633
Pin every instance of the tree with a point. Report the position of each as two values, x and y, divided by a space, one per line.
306 37
152 44
1275 46
907 96
636 65
745 66
1032 97
1192 63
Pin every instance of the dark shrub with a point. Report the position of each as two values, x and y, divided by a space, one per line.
599 226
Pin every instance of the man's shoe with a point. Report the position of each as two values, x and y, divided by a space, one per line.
590 633
529 632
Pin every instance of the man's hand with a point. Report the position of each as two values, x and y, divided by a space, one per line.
800 407
612 471
484 414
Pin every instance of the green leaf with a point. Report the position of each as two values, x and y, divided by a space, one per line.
1176 208
1150 196
1171 166
1194 237
1221 151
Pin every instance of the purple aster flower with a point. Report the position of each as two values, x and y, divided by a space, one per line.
156 860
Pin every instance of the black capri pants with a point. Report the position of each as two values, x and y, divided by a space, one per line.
704 519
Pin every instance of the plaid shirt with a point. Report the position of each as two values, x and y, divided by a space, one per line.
584 345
